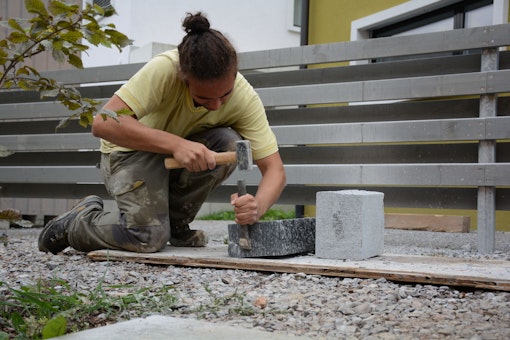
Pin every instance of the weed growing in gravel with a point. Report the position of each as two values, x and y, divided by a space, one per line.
234 302
52 308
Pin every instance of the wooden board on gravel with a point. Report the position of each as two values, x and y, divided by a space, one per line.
482 274
427 222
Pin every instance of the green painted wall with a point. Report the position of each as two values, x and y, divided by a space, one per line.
330 20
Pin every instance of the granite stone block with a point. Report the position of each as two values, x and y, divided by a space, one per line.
274 238
350 224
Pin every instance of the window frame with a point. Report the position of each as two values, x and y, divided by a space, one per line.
108 3
457 11
294 10
361 28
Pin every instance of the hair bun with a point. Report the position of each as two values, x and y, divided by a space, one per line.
195 23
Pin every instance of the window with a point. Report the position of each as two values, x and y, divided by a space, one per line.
105 4
297 13
476 13
464 14
425 16
294 15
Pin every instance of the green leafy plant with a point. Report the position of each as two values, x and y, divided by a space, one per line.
60 29
270 215
52 308
234 302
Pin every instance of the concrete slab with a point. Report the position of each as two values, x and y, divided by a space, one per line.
166 327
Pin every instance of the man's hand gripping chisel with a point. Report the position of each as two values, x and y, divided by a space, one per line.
244 160
244 163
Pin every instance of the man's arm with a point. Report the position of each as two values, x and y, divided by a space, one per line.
249 209
130 133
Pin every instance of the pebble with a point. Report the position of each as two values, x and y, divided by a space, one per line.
299 304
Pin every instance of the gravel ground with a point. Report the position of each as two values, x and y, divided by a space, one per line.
299 304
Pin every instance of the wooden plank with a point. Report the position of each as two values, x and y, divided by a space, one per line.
35 110
403 197
454 40
58 158
97 91
389 89
418 174
399 111
377 132
55 190
400 131
95 74
44 142
427 222
482 274
44 126
455 174
51 174
379 154
372 71
407 197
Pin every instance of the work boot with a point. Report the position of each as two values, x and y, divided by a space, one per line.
186 237
53 237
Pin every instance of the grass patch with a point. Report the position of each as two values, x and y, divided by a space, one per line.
270 215
52 308
234 303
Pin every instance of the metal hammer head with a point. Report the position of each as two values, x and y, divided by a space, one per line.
243 155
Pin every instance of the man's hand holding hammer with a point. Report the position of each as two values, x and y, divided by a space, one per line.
249 208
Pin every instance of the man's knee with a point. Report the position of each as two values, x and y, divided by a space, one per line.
218 139
147 239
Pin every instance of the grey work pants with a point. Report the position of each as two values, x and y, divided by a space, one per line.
152 200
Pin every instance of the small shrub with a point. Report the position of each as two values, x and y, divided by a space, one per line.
270 215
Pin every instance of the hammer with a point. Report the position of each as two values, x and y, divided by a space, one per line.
220 157
244 160
242 156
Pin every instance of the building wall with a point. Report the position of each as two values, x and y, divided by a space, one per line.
250 25
16 9
330 20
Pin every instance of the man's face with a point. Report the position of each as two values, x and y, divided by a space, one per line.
211 94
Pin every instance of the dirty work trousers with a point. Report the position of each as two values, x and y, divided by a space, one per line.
152 200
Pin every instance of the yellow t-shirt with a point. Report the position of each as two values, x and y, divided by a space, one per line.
161 100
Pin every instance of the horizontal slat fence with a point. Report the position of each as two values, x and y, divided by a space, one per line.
429 132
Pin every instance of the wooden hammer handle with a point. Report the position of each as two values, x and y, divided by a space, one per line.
221 158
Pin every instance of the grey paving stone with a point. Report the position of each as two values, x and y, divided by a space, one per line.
350 224
275 238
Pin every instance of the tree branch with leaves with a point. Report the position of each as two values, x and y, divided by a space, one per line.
60 29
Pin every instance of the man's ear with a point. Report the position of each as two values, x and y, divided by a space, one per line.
181 75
